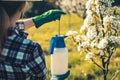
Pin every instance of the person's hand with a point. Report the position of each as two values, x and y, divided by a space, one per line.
47 17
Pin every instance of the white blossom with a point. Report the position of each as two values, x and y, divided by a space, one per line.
89 56
108 2
83 28
89 12
85 44
101 52
114 40
103 43
79 47
97 2
108 19
77 38
88 20
91 34
103 9
84 37
112 21
71 33
89 4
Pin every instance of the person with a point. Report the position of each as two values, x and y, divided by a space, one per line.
21 58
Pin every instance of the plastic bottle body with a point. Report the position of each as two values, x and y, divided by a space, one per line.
59 61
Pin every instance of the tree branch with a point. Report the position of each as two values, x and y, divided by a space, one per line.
97 65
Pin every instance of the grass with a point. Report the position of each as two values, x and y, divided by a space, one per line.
80 68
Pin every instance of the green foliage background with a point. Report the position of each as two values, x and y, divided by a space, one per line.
80 68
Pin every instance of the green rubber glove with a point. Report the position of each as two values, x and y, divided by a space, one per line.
47 17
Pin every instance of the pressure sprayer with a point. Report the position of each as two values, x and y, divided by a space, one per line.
59 57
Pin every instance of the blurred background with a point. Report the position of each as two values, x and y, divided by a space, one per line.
69 6
76 12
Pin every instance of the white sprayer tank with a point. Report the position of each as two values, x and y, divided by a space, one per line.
59 61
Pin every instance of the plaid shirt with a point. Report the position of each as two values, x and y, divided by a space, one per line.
21 59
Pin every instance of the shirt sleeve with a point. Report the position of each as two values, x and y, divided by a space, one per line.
36 65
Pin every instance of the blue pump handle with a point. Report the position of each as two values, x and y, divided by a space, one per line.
52 43
56 41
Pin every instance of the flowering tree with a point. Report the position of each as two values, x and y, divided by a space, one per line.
100 34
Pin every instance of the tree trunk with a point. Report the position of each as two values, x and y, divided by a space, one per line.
104 70
105 75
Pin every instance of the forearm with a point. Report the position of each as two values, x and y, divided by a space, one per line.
27 22
39 20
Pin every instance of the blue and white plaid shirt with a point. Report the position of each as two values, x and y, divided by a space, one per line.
21 59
